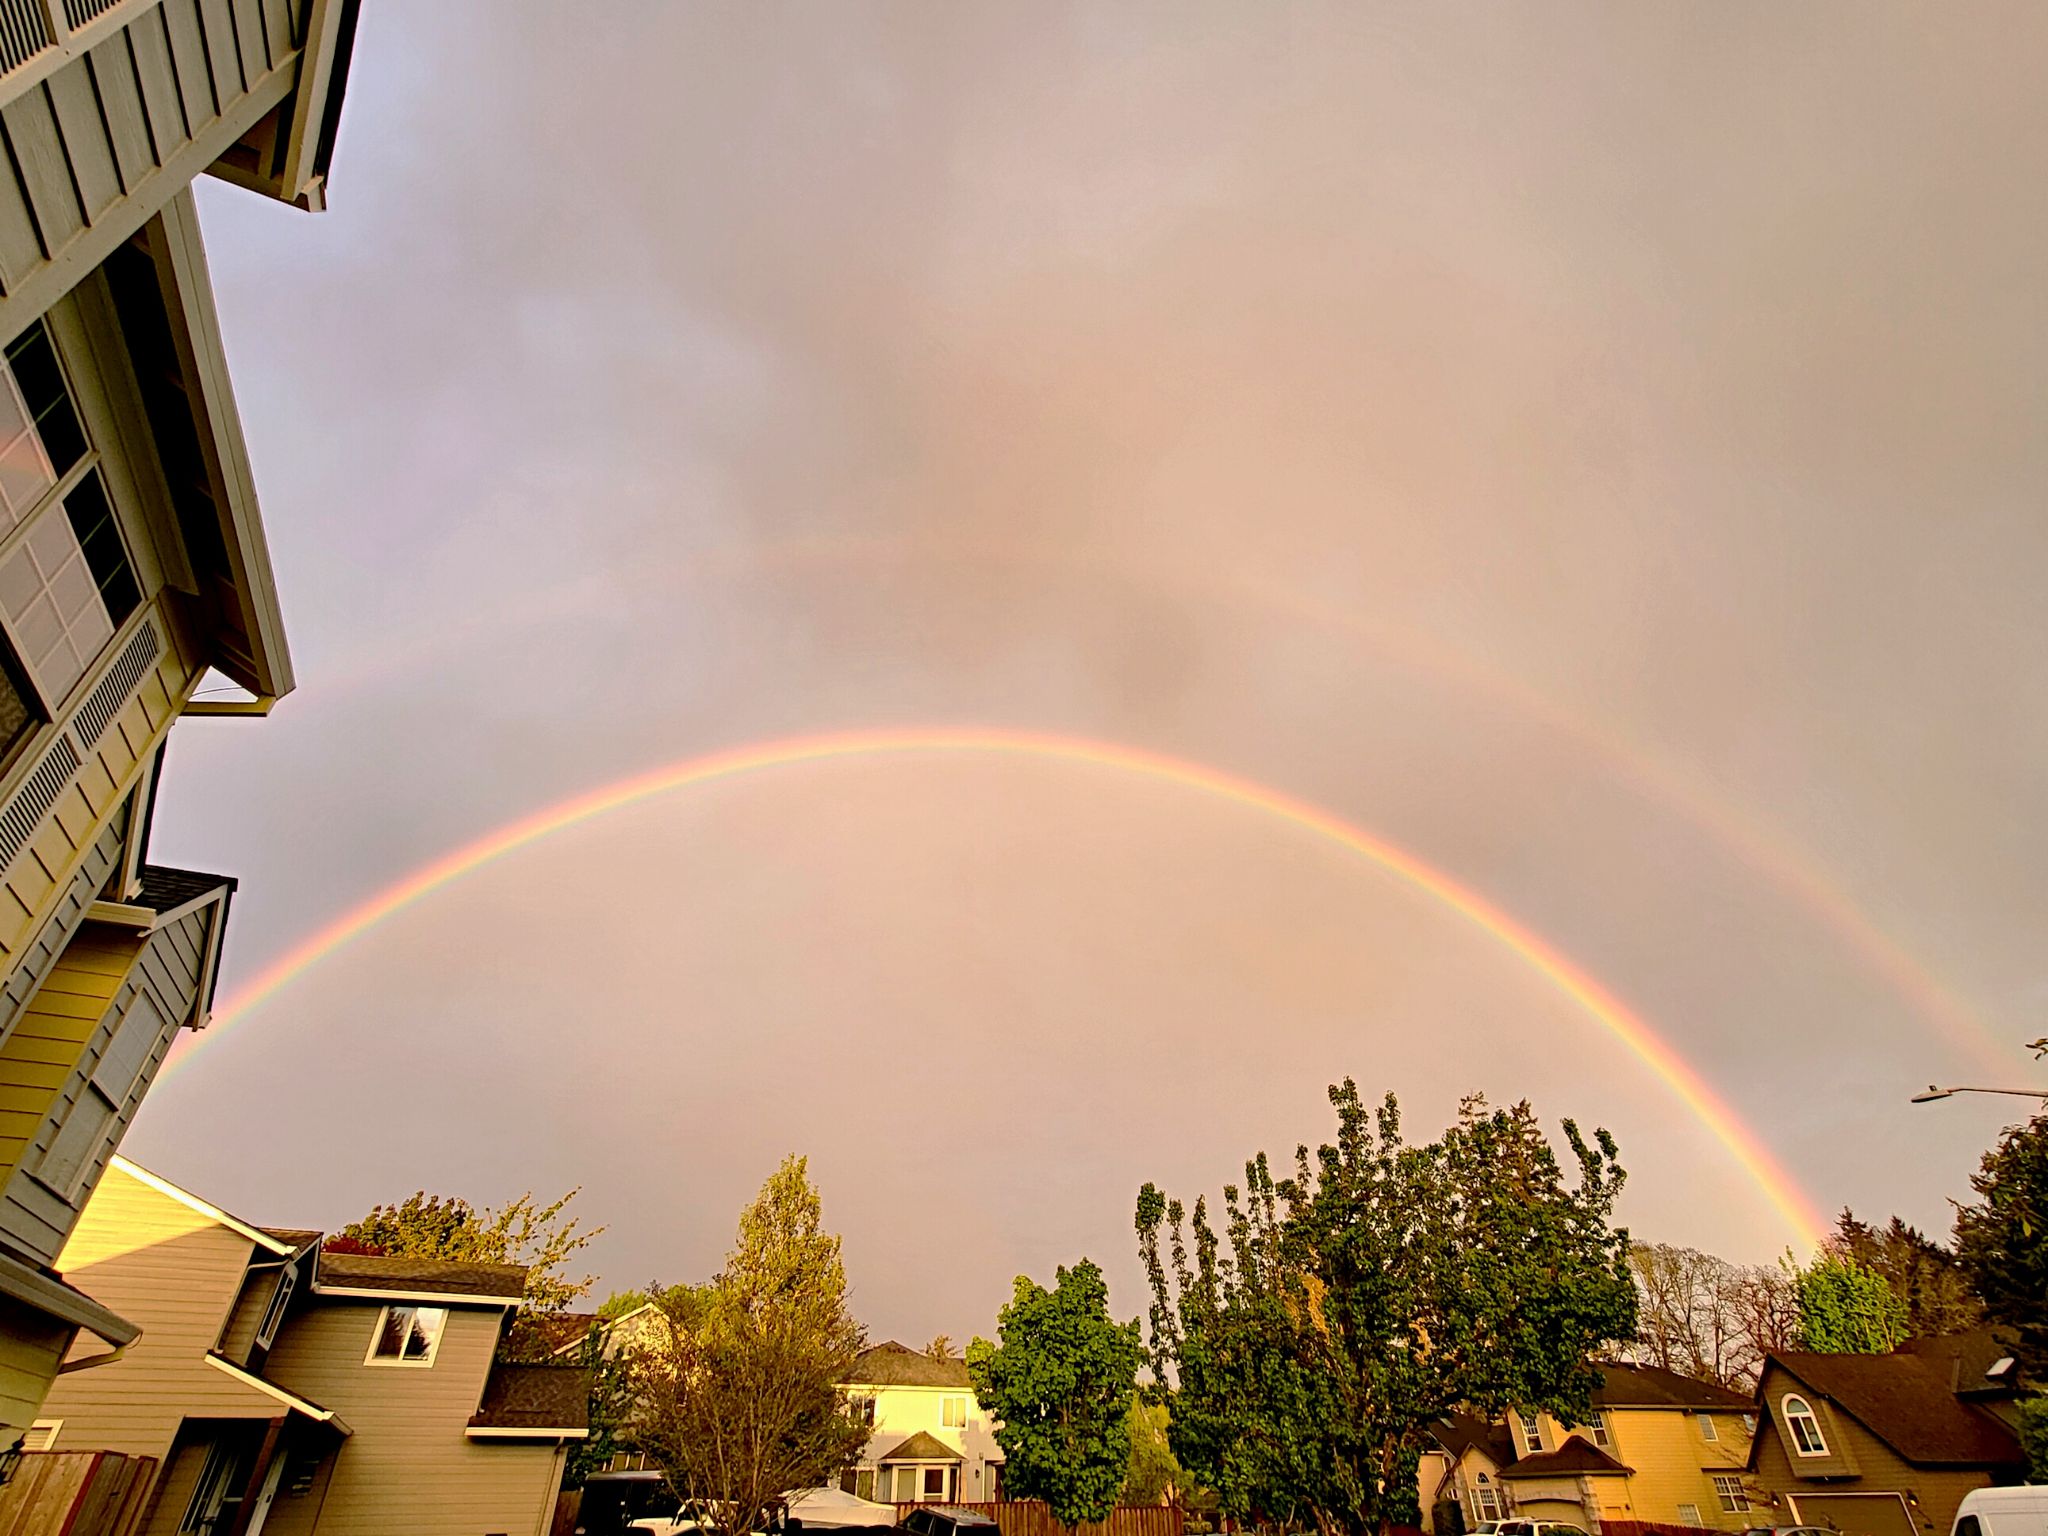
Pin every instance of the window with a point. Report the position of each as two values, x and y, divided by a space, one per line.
1749 1424
1532 1434
1707 1430
408 1336
1728 1487
91 1121
1688 1514
41 1435
953 1413
1597 1423
935 1482
1803 1427
1968 1526
1488 1499
279 1300
864 1410
66 587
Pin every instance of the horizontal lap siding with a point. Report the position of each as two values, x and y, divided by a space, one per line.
90 878
408 1466
31 1344
175 1274
59 1022
95 150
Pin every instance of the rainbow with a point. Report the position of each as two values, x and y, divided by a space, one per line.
1763 851
1791 1204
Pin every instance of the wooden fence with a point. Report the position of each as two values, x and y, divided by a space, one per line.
1028 1517
80 1493
1653 1528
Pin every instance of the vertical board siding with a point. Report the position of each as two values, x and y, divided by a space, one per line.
149 40
217 29
45 171
188 63
34 963
247 17
83 133
120 92
280 30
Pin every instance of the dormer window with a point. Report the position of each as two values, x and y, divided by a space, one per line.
1532 1434
266 1331
408 1336
1802 1426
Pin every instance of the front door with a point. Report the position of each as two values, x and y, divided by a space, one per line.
223 1479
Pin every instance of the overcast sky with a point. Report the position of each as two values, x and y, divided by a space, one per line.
1598 451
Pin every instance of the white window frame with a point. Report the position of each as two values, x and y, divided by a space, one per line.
399 1361
47 1429
1487 1498
1532 1434
924 1485
1596 1421
273 1313
1729 1490
948 1406
1707 1430
1792 1416
1689 1514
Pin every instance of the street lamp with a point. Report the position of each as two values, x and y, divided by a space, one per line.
1934 1093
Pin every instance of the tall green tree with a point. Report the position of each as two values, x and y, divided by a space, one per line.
542 1237
1060 1381
1847 1308
1343 1311
1153 1476
1925 1276
737 1394
2002 1239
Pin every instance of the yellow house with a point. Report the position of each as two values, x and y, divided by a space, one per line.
132 564
284 1391
932 1442
1659 1448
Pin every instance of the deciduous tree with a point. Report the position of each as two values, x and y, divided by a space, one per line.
1847 1308
1060 1380
1343 1311
1153 1476
737 1393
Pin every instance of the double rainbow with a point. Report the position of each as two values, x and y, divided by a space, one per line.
1791 1204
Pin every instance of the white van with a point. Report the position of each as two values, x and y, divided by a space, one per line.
2003 1512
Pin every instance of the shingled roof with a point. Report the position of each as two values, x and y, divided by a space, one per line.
536 1397
1460 1432
1967 1358
440 1277
1909 1403
898 1365
1651 1386
921 1446
1577 1457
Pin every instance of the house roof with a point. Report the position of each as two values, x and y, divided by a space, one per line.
1460 1432
1624 1385
298 1239
1577 1457
1966 1358
164 888
898 1365
536 1397
921 1446
557 1333
261 1236
378 1273
1908 1403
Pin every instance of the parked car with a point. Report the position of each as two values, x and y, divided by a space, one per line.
1790 1530
2003 1512
947 1520
612 1501
1539 1528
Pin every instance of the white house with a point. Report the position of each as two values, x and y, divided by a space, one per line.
932 1443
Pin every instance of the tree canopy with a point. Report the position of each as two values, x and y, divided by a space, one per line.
1061 1381
1926 1277
1847 1308
523 1231
1341 1312
2002 1239
737 1395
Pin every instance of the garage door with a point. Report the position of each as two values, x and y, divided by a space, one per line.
1858 1514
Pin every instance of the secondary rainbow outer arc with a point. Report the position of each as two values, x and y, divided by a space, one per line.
1784 1195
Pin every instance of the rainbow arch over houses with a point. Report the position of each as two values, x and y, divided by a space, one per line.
1795 1210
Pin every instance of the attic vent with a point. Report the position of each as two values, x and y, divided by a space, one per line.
23 32
78 12
98 711
25 813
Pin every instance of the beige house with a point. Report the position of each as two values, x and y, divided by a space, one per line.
1659 1447
932 1441
289 1392
1885 1445
132 565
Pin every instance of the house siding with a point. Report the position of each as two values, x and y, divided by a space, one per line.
1863 1464
148 1256
98 146
31 1345
407 1466
901 1412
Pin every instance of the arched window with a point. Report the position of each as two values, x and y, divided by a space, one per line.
1488 1499
1802 1426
